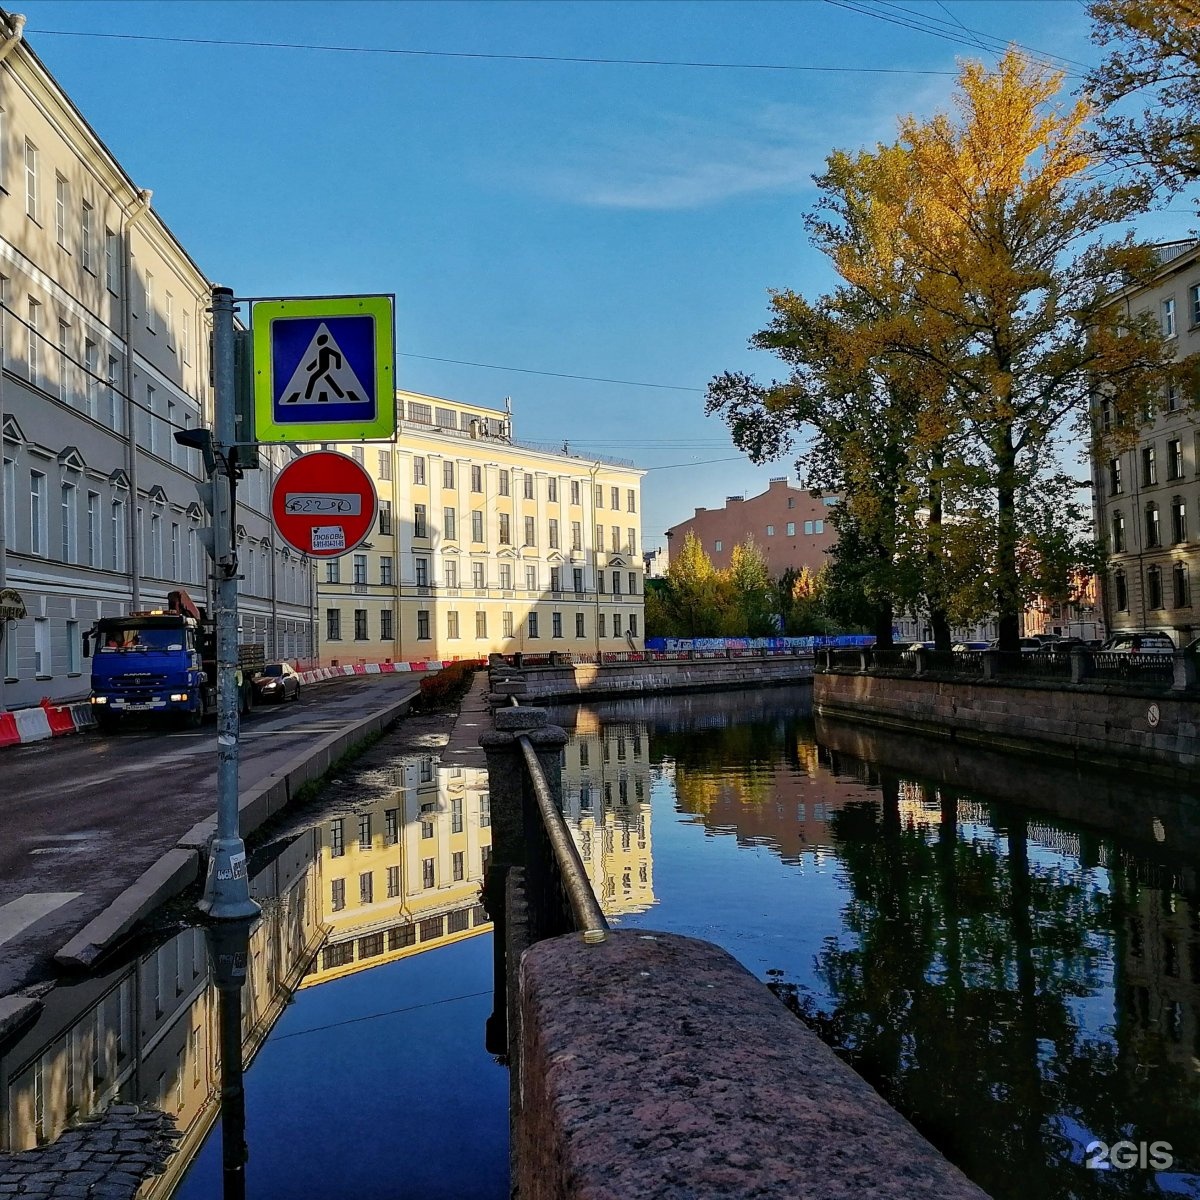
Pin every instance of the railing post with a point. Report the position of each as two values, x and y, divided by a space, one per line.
864 661
991 663
1081 664
1185 672
920 662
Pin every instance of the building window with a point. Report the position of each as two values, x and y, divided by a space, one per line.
447 474
575 491
1178 520
1179 582
1149 467
333 570
601 626
419 469
60 210
552 490
576 535
504 483
616 583
42 666
366 888
337 897
633 583
791 529
34 341
477 479
1121 591
360 568
450 524
364 832
385 518
770 531
631 544
69 520
1175 459
391 826
1118 533
556 625
477 526
631 500
385 570
530 532
531 579
528 485
333 625
808 528
577 579
480 624
505 530
506 624
421 568
533 624
579 627
386 625
452 624
31 180
1154 592
420 521
556 579
506 576
112 262
553 525
456 861
1168 317
37 512
1114 477
428 879
633 624
615 498
423 624
818 526
1153 534
360 625
385 464
720 545
477 576
393 882
337 838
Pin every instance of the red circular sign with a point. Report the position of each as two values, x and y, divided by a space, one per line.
323 504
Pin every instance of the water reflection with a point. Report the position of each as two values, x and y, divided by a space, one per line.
1008 950
393 873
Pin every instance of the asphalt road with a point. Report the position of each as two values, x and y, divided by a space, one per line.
84 816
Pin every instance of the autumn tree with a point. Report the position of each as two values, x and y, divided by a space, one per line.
1149 88
691 594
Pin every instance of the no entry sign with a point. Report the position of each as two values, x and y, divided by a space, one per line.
323 504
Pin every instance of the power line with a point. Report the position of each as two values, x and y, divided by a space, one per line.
391 1012
673 387
547 58
705 463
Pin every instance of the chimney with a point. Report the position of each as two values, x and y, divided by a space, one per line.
700 510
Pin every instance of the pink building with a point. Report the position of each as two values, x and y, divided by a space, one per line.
790 525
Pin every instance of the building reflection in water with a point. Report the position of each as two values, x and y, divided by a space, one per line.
396 874
606 804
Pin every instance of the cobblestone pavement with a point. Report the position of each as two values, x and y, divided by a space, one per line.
107 1157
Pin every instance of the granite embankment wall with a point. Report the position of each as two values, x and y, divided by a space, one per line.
1089 724
590 681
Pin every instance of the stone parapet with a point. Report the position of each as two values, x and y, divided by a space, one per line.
1085 724
655 1066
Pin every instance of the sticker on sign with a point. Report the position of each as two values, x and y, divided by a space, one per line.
328 537
322 504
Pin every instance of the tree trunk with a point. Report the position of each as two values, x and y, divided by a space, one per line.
935 555
1008 591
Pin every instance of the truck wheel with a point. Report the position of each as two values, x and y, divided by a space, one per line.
107 722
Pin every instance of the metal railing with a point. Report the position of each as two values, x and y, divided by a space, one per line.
568 876
567 658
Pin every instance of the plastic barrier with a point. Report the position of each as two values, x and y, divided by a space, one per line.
8 730
32 724
83 715
59 719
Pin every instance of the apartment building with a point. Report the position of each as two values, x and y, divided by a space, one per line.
485 545
791 526
1146 497
104 336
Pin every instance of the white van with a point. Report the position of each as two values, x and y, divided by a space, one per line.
1139 642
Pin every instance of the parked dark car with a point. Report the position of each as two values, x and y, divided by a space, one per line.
1144 642
277 681
1028 645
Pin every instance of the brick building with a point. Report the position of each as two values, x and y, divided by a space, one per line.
791 526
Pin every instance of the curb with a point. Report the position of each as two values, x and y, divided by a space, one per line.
183 865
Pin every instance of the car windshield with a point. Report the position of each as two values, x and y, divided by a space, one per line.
115 641
273 669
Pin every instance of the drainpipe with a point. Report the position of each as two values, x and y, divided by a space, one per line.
593 472
16 23
141 205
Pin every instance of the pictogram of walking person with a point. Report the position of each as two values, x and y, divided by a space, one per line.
327 362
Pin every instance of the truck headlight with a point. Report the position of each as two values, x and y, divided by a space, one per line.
179 696
99 699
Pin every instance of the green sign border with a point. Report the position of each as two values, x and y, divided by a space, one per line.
263 314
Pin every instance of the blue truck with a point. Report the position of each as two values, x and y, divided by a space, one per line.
161 663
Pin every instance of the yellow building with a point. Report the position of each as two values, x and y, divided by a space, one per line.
403 872
484 545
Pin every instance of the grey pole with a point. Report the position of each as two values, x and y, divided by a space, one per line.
227 887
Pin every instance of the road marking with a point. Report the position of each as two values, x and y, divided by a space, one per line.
17 915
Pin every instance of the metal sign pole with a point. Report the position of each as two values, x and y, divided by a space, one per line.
227 887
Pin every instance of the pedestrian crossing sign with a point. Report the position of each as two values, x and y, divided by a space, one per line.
324 369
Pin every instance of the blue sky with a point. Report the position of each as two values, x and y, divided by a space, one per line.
591 219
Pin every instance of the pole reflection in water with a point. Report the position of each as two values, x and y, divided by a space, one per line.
228 953
1009 950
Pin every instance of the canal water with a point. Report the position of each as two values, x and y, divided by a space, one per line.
1008 950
